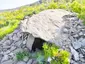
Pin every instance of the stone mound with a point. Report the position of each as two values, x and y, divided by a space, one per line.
46 25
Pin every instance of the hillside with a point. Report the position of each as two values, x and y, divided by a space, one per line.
43 33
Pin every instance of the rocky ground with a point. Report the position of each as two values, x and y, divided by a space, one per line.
10 45
73 41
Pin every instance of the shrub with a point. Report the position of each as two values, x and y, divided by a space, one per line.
21 55
75 7
62 6
60 56
52 5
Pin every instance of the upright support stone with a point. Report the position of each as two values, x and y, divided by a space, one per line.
30 41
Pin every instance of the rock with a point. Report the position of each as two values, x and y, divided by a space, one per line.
6 47
17 50
10 36
3 40
30 61
34 62
46 25
81 56
11 54
74 53
80 34
83 42
5 58
16 31
21 62
7 42
18 43
12 48
82 51
19 34
30 41
65 30
82 59
76 44
25 59
1 56
49 59
15 37
8 62
76 35
7 52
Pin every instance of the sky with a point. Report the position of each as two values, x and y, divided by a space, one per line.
10 4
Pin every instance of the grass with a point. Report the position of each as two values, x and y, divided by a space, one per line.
21 55
9 20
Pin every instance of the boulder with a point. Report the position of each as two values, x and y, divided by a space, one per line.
46 25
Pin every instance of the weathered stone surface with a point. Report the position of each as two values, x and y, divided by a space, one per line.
5 58
30 61
46 25
21 62
30 41
75 54
76 44
25 59
7 62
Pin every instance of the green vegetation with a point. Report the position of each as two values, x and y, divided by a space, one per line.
21 55
57 55
10 20
60 56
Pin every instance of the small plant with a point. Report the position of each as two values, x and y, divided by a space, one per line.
75 7
62 6
57 55
21 55
52 5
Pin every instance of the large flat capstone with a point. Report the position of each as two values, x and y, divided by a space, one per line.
46 25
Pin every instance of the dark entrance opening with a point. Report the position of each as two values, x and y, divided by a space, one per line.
38 43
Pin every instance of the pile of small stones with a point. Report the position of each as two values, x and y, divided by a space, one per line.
75 43
75 32
12 44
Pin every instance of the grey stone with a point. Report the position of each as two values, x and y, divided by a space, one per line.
3 40
19 34
25 59
46 25
15 37
76 44
10 36
7 42
30 61
82 59
16 31
6 46
1 56
21 62
34 62
12 48
5 58
65 30
76 35
81 56
74 53
83 42
7 62
17 50
18 43
81 33
7 52
30 41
